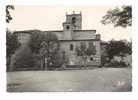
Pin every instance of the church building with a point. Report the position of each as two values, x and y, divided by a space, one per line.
71 38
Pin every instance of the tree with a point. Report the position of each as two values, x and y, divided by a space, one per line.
47 45
36 39
52 48
8 15
12 44
118 48
11 39
23 59
119 17
91 50
85 51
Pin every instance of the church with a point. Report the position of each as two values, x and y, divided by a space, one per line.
71 37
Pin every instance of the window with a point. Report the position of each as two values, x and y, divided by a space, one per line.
91 58
71 47
73 20
67 27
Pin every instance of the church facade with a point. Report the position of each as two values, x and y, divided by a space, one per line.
71 38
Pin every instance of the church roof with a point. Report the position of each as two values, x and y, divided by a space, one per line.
26 31
79 40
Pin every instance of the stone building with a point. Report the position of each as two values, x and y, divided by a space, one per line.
70 38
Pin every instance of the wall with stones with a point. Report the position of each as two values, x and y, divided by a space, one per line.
84 34
65 46
77 60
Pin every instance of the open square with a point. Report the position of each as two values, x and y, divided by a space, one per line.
96 80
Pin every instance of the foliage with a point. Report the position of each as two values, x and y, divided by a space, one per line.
59 60
119 16
8 15
116 64
36 39
12 43
45 44
24 59
118 48
83 50
91 50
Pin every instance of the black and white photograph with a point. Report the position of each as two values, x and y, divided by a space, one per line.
78 48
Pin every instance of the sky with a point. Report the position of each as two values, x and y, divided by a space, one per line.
51 17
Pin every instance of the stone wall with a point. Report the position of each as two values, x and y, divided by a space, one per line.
65 44
84 34
77 60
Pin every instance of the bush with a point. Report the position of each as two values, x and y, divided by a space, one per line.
116 64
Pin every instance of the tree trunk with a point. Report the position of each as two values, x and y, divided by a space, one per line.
84 61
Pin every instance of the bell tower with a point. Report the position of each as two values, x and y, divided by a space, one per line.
74 21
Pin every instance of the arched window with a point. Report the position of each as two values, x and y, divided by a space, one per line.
71 47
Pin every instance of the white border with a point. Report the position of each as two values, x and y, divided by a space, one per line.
69 2
66 96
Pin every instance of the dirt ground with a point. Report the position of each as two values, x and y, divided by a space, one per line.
96 80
